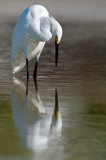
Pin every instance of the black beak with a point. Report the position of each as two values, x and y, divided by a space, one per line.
56 100
56 104
56 52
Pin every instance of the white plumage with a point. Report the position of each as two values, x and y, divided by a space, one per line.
33 29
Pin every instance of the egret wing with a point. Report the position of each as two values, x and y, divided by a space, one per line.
20 60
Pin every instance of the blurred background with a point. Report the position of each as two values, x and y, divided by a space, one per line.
66 10
79 132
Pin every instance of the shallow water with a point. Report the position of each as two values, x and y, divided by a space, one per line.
78 131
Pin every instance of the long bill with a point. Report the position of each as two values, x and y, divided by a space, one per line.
56 52
56 111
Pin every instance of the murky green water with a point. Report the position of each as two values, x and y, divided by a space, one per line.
78 130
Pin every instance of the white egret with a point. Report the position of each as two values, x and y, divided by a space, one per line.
34 27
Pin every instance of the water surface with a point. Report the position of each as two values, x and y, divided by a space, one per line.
78 130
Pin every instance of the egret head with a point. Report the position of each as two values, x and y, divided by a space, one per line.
57 35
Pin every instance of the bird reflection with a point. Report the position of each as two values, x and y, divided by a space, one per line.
35 127
56 124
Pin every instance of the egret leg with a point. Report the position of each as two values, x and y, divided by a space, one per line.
27 68
27 87
35 69
36 87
